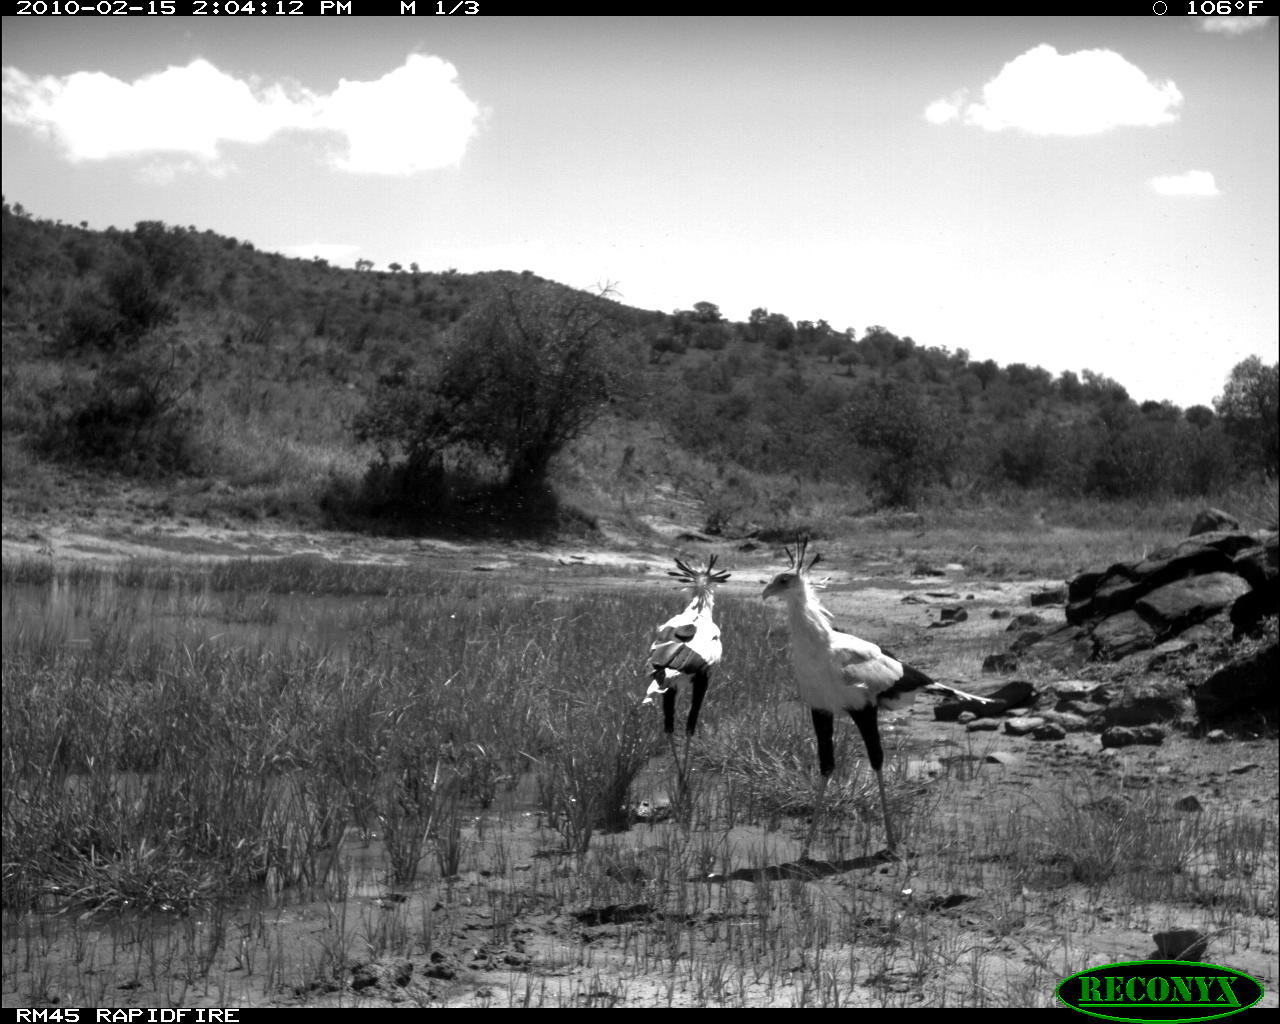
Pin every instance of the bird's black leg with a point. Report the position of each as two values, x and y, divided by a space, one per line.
867 723
824 728
865 720
700 681
668 700
669 725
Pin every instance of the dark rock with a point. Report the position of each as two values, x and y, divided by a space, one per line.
1072 689
1250 609
1126 736
1143 703
1066 721
363 976
1014 693
1259 565
1120 587
1169 651
949 617
1066 648
1024 621
997 663
1049 731
1189 804
1026 639
440 967
1080 588
1022 725
982 725
1085 709
1246 687
1211 519
1050 595
1241 769
1122 634
1180 944
1175 606
999 613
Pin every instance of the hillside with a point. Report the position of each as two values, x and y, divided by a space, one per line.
225 380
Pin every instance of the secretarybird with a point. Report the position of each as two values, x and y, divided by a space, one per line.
836 672
687 646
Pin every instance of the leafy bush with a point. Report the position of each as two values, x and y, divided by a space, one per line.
131 415
119 313
911 444
529 369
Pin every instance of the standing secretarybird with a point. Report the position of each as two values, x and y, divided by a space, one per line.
836 672
687 646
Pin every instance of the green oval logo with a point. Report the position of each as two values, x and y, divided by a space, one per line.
1164 990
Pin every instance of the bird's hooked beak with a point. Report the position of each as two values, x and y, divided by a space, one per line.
775 586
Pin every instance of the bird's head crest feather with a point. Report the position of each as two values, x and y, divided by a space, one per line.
701 578
797 556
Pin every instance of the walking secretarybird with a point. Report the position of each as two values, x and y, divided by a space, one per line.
836 673
687 646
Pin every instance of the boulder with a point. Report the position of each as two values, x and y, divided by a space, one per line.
1259 565
1072 689
1210 519
1066 648
1145 702
1066 721
1024 621
1122 634
1050 595
1022 725
1175 606
1245 688
1126 736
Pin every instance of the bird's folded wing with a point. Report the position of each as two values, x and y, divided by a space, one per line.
864 665
686 644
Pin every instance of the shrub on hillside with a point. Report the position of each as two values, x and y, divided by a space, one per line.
131 416
118 313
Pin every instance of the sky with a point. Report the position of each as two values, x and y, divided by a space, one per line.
1081 193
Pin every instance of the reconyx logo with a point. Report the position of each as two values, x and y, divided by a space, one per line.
1164 990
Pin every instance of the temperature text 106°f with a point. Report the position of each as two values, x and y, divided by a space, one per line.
1223 6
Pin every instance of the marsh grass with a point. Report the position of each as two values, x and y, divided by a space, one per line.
185 793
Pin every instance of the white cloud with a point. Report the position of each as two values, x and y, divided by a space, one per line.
413 119
1232 26
944 110
1043 92
1192 183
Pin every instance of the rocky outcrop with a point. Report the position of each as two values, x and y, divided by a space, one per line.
1219 577
1211 519
1246 689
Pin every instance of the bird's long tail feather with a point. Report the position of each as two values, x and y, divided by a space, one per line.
944 688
